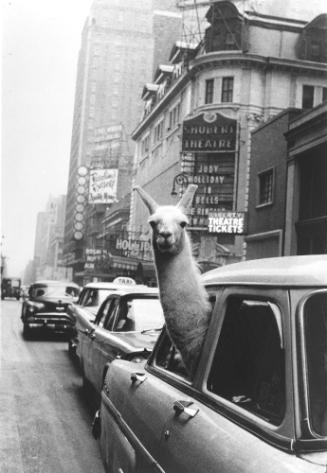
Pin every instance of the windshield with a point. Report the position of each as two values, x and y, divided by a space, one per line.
144 314
56 291
315 318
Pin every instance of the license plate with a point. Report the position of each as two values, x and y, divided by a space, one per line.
60 308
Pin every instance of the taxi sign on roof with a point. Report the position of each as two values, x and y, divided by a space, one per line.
124 280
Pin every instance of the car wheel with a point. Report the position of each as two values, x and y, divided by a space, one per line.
71 348
26 331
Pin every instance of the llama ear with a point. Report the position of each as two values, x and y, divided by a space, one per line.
186 200
147 199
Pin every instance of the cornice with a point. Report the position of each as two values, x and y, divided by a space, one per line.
220 58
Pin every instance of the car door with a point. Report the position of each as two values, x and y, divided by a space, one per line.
83 327
91 339
241 385
101 346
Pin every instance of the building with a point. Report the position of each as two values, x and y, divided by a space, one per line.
288 193
306 190
200 110
121 44
49 237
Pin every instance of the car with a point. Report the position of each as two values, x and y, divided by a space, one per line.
126 326
87 305
257 400
10 287
46 306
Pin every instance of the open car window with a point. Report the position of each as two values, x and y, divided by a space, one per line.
169 358
315 334
248 368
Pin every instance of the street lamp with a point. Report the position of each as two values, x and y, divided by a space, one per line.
180 180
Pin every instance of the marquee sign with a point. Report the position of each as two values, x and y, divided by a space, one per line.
209 132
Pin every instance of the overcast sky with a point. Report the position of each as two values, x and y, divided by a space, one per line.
40 43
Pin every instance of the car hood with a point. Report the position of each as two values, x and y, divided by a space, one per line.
138 340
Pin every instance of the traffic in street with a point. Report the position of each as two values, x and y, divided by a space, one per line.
45 419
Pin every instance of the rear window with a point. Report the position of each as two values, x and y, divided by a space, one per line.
315 326
45 290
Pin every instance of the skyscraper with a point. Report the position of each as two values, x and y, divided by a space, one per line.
122 43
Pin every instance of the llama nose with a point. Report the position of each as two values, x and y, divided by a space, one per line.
165 234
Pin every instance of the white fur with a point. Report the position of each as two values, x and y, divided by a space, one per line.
183 298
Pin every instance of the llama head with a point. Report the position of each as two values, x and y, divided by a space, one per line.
168 222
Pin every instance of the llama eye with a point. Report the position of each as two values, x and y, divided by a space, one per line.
152 223
183 224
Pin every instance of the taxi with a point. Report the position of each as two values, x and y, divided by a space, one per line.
258 400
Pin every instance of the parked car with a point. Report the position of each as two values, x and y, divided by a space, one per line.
257 402
47 305
126 325
87 305
10 287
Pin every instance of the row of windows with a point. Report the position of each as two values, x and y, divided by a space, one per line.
226 90
173 120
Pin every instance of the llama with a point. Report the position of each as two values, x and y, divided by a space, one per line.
184 300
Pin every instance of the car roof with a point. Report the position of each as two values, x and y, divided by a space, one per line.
55 283
106 285
136 290
308 270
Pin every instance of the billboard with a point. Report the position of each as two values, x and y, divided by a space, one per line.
103 186
232 223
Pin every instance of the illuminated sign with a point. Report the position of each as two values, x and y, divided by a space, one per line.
209 132
227 222
103 186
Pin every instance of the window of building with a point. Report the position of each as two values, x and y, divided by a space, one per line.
227 89
158 132
248 368
145 145
324 94
307 96
266 180
209 91
174 116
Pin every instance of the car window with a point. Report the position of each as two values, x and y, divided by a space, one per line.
248 366
103 311
169 358
138 314
315 327
112 313
48 290
91 298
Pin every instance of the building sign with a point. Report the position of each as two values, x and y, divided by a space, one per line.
209 132
94 256
227 223
134 248
103 186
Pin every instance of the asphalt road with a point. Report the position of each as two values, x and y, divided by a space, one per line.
44 417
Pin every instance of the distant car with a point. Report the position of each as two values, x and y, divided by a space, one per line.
46 306
126 325
258 400
87 305
11 287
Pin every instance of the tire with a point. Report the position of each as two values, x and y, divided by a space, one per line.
26 331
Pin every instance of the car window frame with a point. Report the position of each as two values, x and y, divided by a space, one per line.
103 312
109 321
283 433
308 431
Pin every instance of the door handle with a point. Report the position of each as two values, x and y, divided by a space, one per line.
141 377
184 407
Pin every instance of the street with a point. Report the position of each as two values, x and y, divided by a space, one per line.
45 420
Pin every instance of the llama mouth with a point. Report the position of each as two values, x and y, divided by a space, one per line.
165 247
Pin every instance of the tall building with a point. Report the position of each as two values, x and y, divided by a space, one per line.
200 110
122 43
